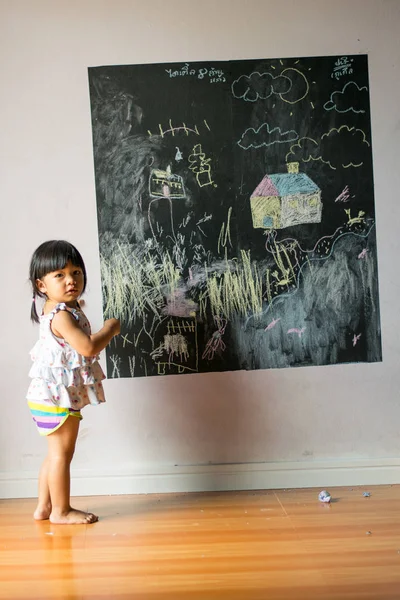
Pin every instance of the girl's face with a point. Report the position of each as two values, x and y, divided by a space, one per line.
64 285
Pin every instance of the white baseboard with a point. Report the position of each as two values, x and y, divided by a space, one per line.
224 477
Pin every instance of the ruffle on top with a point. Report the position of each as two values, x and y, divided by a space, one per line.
57 366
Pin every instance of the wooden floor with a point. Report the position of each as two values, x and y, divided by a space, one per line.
266 545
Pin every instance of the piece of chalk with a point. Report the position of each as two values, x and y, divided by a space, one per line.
324 496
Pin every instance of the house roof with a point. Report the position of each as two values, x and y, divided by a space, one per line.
285 184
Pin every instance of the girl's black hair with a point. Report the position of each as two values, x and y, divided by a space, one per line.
48 257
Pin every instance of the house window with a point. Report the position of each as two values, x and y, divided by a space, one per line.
268 222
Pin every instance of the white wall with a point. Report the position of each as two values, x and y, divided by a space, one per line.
300 427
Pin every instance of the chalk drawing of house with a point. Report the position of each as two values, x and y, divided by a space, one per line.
286 199
164 184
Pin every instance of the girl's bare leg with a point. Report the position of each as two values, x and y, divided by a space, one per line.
61 444
43 508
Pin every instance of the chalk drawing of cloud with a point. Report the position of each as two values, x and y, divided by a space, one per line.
264 136
350 99
305 149
260 85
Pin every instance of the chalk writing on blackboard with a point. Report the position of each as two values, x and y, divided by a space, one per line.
236 214
213 75
342 66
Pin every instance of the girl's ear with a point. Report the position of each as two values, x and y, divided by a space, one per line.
40 286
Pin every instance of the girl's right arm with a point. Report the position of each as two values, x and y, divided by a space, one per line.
65 326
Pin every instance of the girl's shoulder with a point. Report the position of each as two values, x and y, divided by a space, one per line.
61 309
48 316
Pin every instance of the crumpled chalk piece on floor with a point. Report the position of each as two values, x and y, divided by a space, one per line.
324 496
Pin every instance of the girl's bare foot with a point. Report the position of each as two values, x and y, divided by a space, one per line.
73 516
42 512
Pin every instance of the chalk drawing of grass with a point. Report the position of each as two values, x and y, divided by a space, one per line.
134 284
237 290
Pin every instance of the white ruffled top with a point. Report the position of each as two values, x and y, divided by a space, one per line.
59 373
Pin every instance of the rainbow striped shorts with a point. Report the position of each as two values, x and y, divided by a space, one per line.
49 417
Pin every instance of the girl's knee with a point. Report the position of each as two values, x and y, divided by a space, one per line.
61 452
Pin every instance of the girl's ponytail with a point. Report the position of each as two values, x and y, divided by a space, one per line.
34 315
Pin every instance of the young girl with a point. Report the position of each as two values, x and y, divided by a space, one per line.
65 373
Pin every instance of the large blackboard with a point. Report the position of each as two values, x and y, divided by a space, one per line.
236 214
